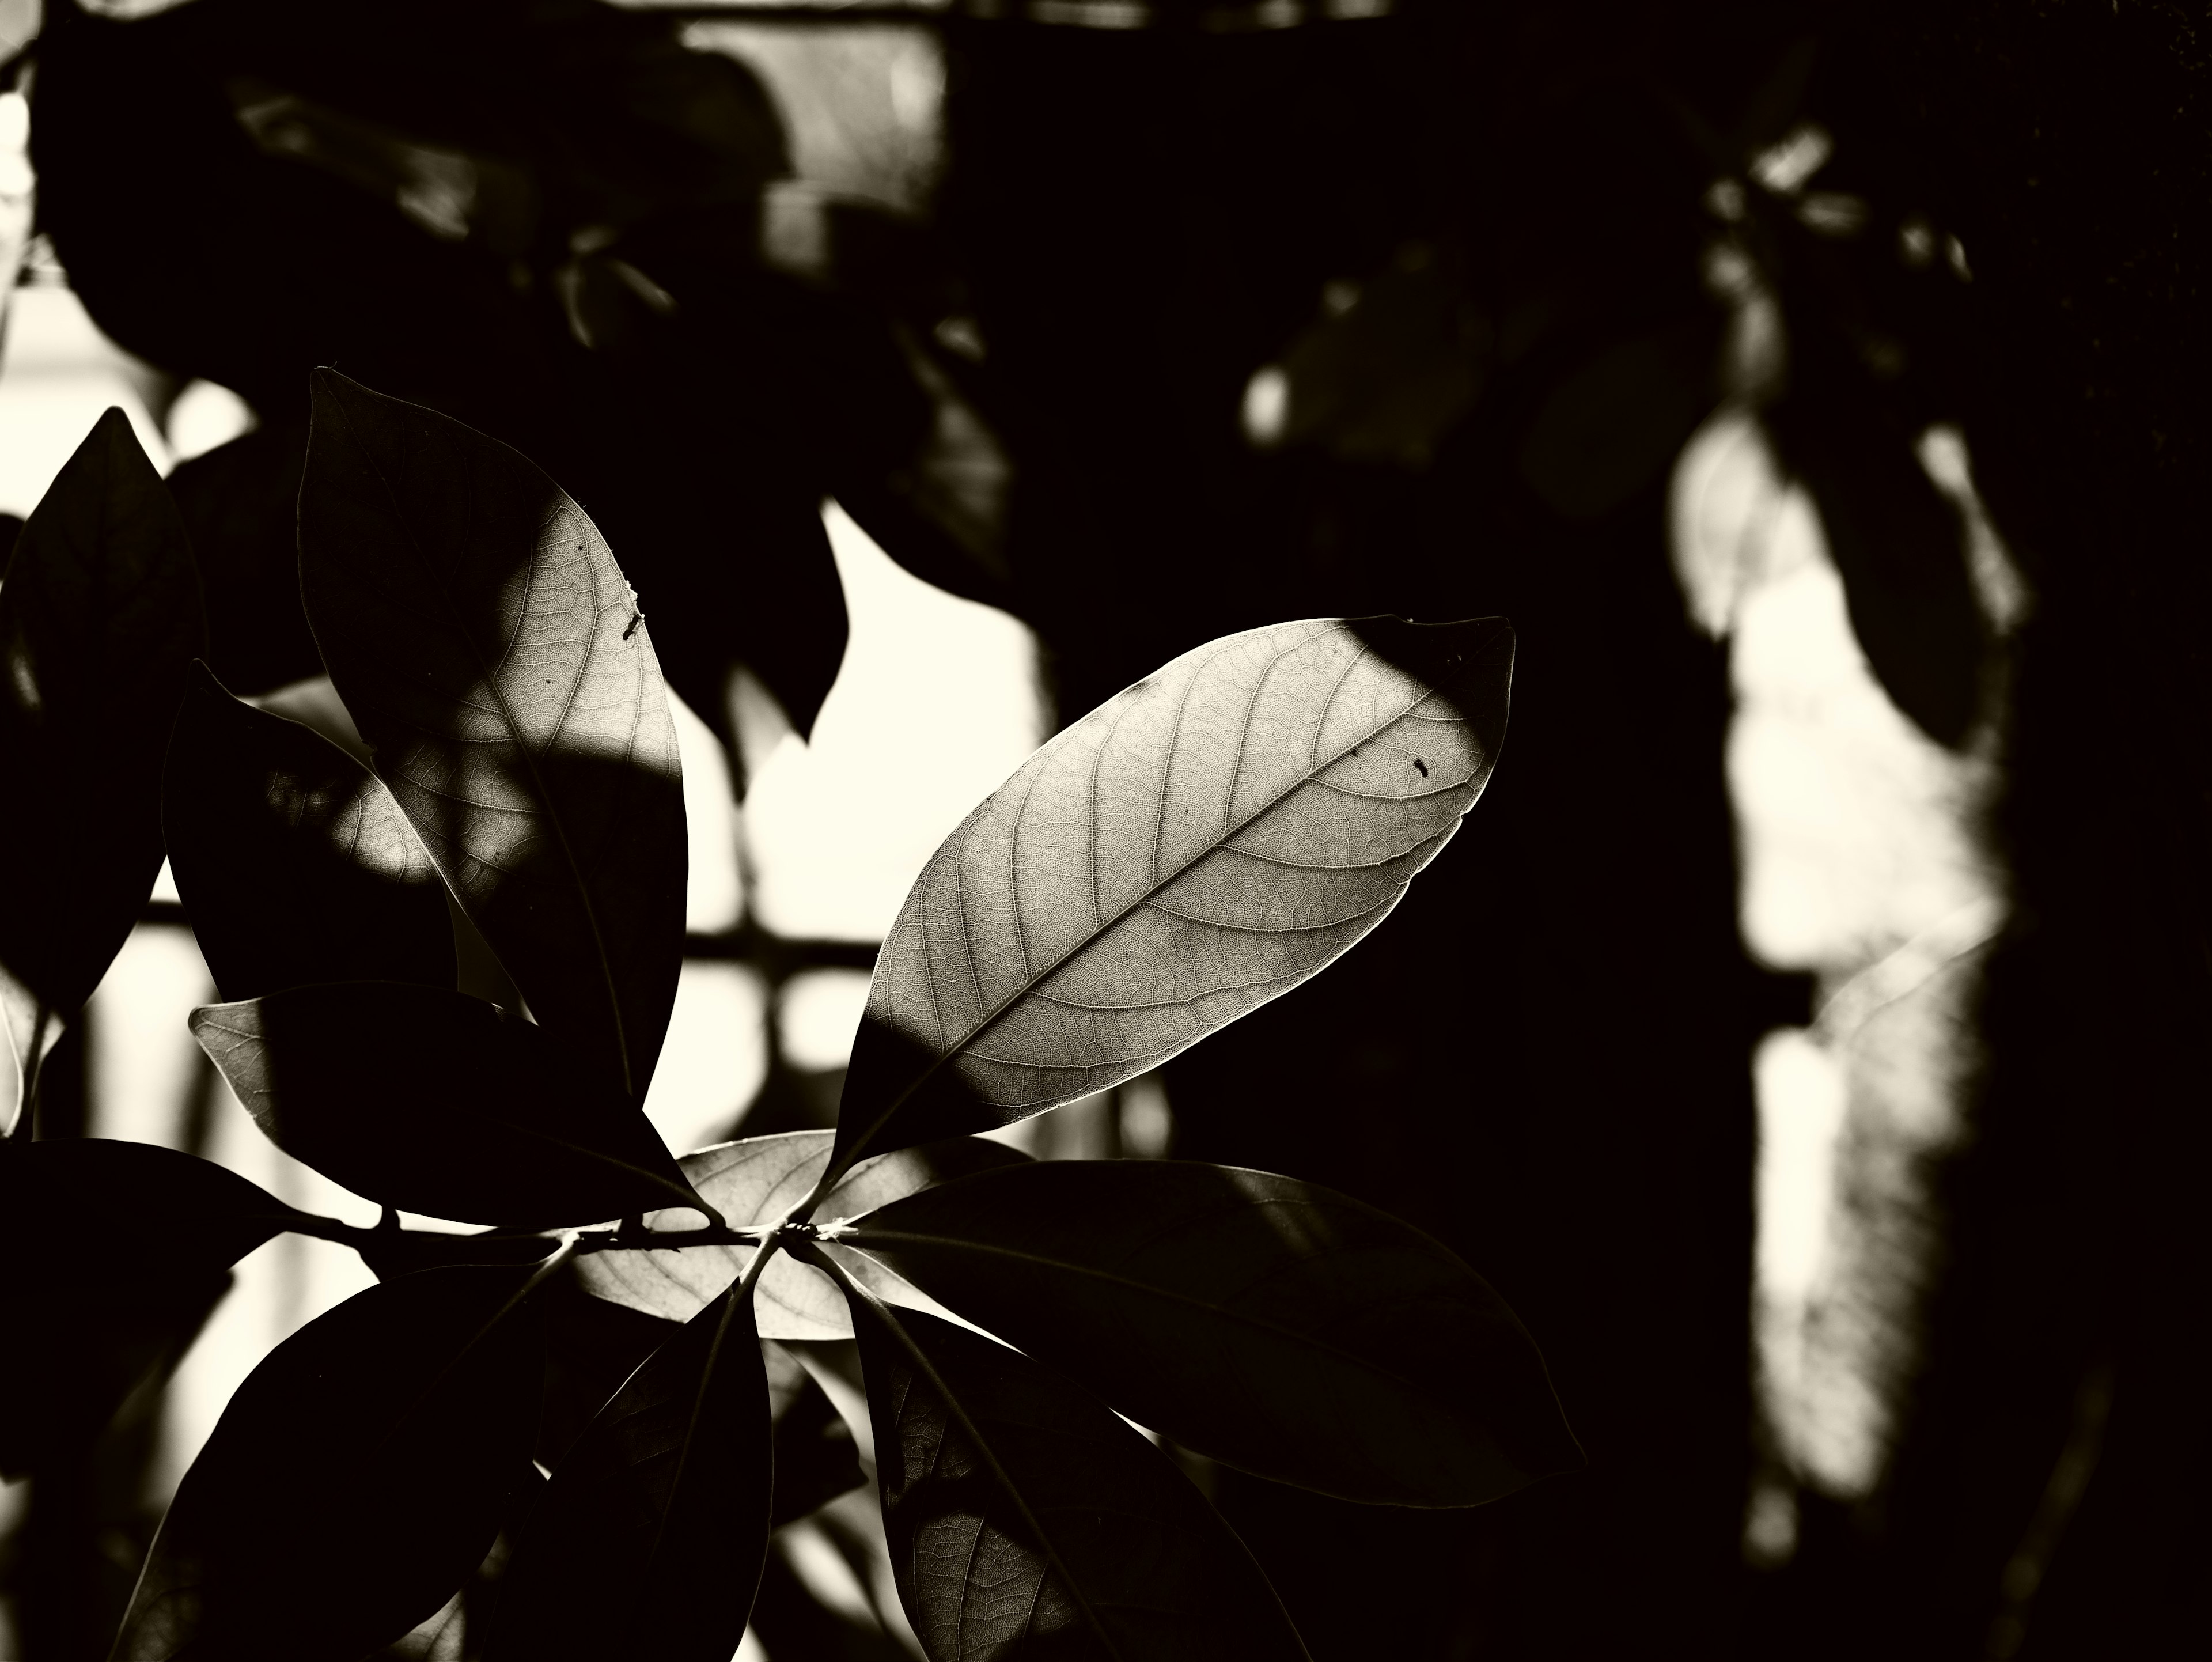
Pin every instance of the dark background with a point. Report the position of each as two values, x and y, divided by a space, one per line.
1545 1059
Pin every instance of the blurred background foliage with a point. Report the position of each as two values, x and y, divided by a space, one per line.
1809 1037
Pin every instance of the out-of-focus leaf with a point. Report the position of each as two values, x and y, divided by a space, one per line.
492 655
353 1482
1271 1324
111 1256
815 1458
1608 428
426 1099
649 1540
1027 1520
99 614
1189 850
1900 550
296 864
759 1180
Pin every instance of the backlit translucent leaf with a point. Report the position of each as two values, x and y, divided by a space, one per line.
1026 1520
296 864
431 1101
1273 1324
759 1180
353 1482
99 614
649 1540
1189 850
492 655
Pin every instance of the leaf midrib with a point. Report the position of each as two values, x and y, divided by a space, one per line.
1031 982
551 809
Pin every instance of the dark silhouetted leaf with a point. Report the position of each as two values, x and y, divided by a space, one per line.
1027 1520
353 1482
240 504
1901 551
296 864
100 613
760 1180
111 1256
815 1458
1609 428
493 657
1189 850
649 1540
1273 1324
431 1101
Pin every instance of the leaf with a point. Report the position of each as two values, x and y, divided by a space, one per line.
650 1538
478 629
1271 1324
296 864
111 1254
1607 429
1189 850
759 1180
353 1482
429 1100
100 613
1027 1520
816 1458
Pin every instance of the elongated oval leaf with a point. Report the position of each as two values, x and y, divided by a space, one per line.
1027 1521
296 864
111 1254
1274 1324
650 1539
1186 852
491 654
99 614
759 1180
429 1100
353 1482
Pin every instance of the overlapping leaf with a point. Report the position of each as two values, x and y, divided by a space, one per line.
650 1538
353 1482
296 864
495 661
429 1100
759 1180
1191 849
111 1256
99 614
1273 1324
1026 1520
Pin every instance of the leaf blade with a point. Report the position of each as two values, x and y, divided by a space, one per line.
628 1557
516 1137
99 614
1072 1535
483 638
420 1390
1191 849
1274 1326
296 864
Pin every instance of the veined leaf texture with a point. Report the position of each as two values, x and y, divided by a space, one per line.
1194 847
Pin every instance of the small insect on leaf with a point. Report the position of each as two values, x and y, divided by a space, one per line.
1193 847
476 626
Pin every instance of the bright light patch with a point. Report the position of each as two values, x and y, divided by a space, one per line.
205 416
818 1014
1267 406
714 1057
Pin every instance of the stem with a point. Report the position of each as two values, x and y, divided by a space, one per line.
587 1240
